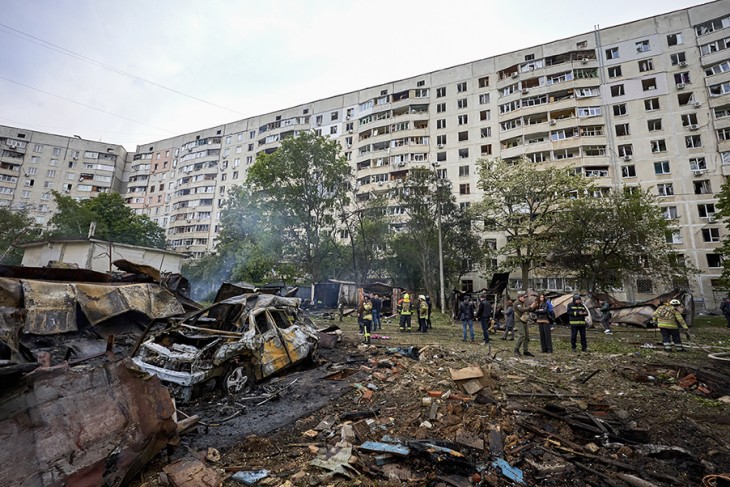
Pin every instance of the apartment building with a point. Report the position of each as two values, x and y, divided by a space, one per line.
642 104
33 164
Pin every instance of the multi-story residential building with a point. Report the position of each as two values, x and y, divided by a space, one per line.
33 164
645 104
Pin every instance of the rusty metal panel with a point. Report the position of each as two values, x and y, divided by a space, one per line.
10 293
99 303
51 307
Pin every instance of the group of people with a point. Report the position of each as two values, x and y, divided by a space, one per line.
370 314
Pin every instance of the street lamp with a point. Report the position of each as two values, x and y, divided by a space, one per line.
441 248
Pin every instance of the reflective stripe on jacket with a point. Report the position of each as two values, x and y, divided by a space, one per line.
667 316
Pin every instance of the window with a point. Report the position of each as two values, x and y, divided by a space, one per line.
334 116
614 71
464 188
485 115
712 26
461 103
646 65
643 46
723 134
702 187
722 67
441 123
711 235
674 237
25 194
612 53
617 90
628 171
626 150
662 167
698 164
485 132
619 110
441 156
658 145
463 171
70 176
486 150
693 141
51 173
678 58
484 98
684 99
440 107
441 140
463 153
648 84
714 260
461 87
674 39
463 136
37 148
682 79
333 130
56 151
665 189
484 82
706 210
689 119
670 213
441 92
720 89
654 125
622 129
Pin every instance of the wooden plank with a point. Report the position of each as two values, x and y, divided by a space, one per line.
472 372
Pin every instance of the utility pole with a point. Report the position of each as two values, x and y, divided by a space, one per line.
441 248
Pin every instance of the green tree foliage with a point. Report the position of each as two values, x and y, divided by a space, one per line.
367 228
17 228
524 200
414 251
607 241
723 207
282 221
114 221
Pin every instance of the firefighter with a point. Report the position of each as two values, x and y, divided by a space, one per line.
422 314
668 318
367 317
405 312
577 313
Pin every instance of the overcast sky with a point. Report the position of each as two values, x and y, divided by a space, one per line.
249 57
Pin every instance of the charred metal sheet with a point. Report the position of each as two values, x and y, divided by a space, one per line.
53 274
50 306
11 324
146 270
125 421
99 303
11 293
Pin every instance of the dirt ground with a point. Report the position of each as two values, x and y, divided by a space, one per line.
623 412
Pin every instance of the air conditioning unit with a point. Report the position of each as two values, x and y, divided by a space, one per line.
585 60
525 91
699 172
683 64
349 146
697 104
440 146
380 183
515 74
349 131
680 86
347 117
711 218
401 164
553 122
694 126
627 157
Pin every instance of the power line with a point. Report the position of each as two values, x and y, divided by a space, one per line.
82 104
55 47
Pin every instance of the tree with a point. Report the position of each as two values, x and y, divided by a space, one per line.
114 221
524 201
367 229
414 257
723 207
299 190
17 228
607 241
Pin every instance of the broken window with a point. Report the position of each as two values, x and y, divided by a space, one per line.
646 65
643 46
723 134
654 125
678 58
698 164
485 115
463 153
648 84
464 188
628 171
486 150
674 39
626 150
674 237
722 67
612 53
693 141
485 132
614 71
720 89
441 156
711 235
689 119
661 167
685 99
681 79
670 213
617 90
706 210
463 119
665 189
714 260
484 82
712 25
658 145
463 136
484 98
622 129
702 187
619 110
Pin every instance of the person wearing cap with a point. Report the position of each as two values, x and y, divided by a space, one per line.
577 313
367 317
405 312
484 313
524 314
422 314
668 318
466 315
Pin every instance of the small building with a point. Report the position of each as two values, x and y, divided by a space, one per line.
97 255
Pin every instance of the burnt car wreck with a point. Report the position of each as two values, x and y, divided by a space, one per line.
232 344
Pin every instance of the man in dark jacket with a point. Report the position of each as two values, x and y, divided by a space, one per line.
466 315
577 313
377 307
484 313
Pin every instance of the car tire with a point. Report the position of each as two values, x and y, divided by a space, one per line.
238 380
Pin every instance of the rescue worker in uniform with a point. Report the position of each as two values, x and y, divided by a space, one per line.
668 318
577 313
524 315
422 314
405 312
367 317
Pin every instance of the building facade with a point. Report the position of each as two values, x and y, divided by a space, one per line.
646 103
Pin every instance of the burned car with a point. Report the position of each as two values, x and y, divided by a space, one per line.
233 343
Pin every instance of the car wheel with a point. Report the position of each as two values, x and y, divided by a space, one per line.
237 380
